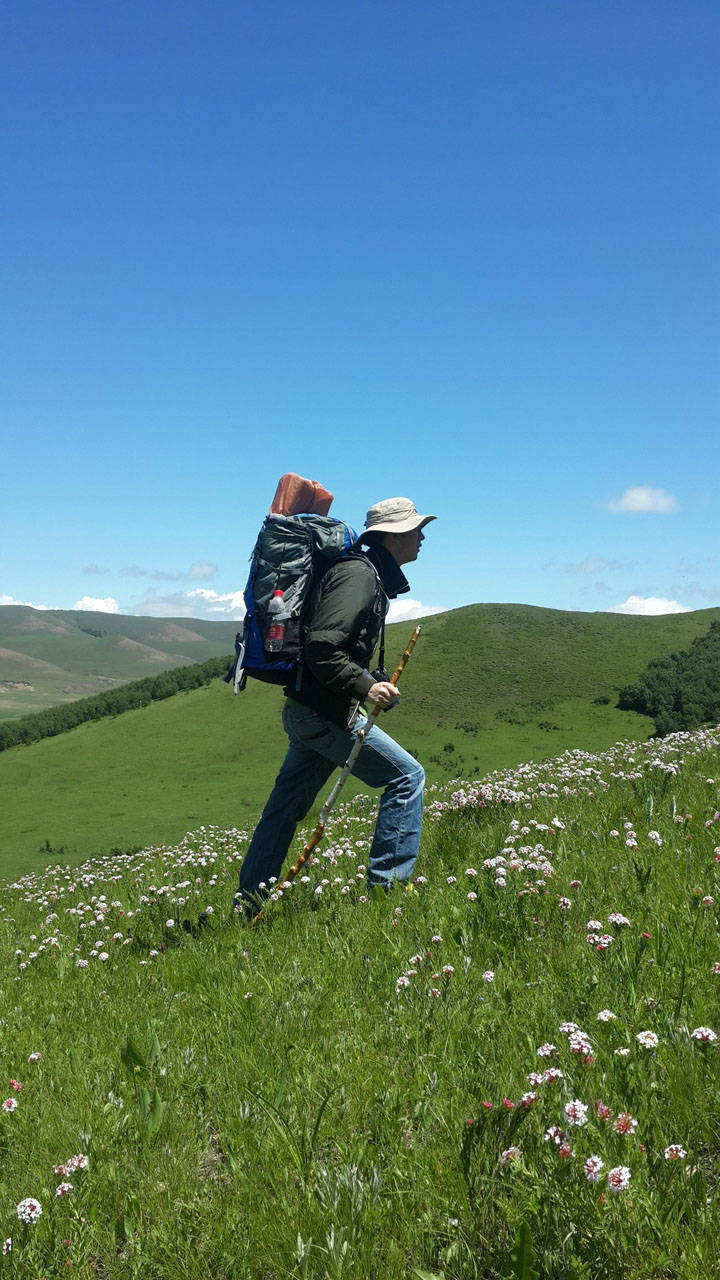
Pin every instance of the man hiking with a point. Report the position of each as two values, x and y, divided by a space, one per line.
322 713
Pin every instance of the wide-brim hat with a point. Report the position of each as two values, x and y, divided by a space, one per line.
394 515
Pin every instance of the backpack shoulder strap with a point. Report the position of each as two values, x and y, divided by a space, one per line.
380 585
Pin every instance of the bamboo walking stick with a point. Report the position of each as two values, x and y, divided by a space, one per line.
345 772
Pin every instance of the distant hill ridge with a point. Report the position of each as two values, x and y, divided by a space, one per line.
50 656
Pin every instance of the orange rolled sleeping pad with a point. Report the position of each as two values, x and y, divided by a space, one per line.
296 496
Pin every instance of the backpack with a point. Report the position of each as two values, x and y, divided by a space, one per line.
291 554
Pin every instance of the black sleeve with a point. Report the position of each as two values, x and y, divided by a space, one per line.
346 596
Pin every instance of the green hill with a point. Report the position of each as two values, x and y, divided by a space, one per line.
488 686
49 656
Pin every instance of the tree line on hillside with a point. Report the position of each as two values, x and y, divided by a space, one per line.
127 697
681 691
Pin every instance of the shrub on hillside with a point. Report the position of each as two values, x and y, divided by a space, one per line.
681 691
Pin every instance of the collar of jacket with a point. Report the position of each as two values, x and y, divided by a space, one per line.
391 575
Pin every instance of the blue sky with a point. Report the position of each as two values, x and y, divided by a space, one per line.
462 252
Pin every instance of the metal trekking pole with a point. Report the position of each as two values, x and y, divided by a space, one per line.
345 772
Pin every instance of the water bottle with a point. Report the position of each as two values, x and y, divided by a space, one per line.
275 629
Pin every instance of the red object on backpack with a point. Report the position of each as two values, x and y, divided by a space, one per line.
296 496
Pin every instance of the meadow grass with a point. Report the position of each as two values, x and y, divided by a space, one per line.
353 1088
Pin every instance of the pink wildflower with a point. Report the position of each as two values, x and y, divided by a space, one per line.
647 1039
555 1134
592 1168
546 1050
77 1162
618 1179
625 1123
552 1073
29 1210
579 1043
510 1154
576 1112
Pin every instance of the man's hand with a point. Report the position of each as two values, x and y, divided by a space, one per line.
383 694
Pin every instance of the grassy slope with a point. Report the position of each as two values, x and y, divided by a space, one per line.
204 757
55 652
291 1112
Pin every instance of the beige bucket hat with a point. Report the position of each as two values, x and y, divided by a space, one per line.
394 515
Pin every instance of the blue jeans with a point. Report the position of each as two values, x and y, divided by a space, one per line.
317 747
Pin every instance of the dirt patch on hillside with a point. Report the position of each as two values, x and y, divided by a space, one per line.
154 654
173 632
22 659
36 622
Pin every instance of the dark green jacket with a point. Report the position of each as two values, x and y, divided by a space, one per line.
346 613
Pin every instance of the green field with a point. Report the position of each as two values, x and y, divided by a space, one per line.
487 687
511 1070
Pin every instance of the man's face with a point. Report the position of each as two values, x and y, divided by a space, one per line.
404 547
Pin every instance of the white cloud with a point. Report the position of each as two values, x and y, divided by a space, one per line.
641 497
405 610
25 603
94 605
650 606
230 605
200 603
